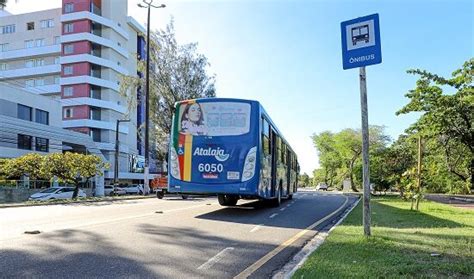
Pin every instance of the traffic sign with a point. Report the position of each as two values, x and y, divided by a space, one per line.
361 42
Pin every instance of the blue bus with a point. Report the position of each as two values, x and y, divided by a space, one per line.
231 148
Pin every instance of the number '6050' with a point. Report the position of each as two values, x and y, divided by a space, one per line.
210 167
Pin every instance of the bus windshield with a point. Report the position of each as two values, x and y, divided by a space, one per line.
214 118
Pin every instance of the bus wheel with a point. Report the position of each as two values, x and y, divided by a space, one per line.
277 201
184 197
160 194
226 200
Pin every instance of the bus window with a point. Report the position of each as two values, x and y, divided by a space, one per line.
265 138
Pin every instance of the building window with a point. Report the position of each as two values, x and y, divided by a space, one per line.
7 29
57 40
30 83
56 60
69 7
39 82
68 91
56 79
39 62
47 23
39 42
24 112
68 112
30 63
68 49
29 43
41 117
95 135
3 66
67 70
42 144
3 47
24 142
68 27
30 25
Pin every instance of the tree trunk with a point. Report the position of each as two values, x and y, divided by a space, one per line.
351 176
76 190
472 175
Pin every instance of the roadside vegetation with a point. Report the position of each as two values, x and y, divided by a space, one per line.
445 129
435 242
72 168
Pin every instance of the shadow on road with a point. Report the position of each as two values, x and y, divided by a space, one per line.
297 214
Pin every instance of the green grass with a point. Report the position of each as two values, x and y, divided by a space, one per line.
400 246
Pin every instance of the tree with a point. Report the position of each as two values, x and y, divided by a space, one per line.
340 153
447 118
30 164
329 158
72 167
178 72
304 178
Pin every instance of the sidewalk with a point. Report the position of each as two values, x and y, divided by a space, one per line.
88 200
462 201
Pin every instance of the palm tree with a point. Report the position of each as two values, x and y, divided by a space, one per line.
3 3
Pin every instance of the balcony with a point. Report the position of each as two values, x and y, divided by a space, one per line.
30 52
95 94
31 71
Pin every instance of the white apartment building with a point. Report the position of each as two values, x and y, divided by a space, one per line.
75 54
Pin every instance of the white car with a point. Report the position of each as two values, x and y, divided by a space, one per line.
134 189
110 190
56 193
322 186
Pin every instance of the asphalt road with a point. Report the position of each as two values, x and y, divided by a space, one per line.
169 238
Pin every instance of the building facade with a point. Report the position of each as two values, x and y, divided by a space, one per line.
76 55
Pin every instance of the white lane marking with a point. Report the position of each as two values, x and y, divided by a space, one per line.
282 209
256 228
215 259
273 215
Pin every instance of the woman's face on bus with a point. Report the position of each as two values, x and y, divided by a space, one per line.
194 113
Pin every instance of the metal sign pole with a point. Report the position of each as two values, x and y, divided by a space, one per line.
365 150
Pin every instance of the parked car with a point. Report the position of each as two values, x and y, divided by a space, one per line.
134 189
110 190
322 186
56 193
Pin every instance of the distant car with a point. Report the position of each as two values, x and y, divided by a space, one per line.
322 186
110 190
134 189
56 193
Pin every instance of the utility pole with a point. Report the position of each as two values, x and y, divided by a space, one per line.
146 182
116 161
365 150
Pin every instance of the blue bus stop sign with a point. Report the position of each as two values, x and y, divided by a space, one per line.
361 42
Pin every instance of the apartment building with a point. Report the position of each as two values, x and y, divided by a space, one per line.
76 55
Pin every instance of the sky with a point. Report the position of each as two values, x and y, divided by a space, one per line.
287 55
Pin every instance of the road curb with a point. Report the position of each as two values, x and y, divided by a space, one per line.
300 258
76 202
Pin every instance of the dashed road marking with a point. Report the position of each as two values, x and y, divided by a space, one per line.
273 215
215 259
282 209
256 228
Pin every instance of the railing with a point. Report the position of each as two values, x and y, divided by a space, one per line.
38 184
14 49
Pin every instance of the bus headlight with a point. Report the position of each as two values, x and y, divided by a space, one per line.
249 166
174 164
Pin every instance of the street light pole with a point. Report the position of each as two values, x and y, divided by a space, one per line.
116 161
146 182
